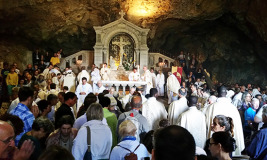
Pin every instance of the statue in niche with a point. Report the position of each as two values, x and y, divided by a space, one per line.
112 64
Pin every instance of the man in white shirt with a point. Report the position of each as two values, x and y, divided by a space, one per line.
147 78
194 121
177 107
160 83
153 110
82 91
134 75
105 71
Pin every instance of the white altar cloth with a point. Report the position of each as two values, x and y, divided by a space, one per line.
117 84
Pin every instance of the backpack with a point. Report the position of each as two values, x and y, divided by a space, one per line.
131 155
135 121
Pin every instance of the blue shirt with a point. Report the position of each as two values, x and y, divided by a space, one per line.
249 115
23 112
118 153
258 144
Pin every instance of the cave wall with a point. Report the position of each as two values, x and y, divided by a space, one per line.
229 35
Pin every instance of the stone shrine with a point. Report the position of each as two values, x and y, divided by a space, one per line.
124 41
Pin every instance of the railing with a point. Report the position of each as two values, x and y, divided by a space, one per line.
117 84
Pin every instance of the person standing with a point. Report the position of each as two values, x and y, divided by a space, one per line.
224 107
104 72
101 136
147 78
82 74
25 111
177 107
134 75
160 83
154 78
55 60
82 90
153 110
173 86
70 99
194 121
11 81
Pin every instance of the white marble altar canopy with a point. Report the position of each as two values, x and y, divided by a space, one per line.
104 35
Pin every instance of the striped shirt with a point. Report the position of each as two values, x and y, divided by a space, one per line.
23 112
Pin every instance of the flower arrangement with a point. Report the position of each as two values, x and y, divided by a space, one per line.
127 62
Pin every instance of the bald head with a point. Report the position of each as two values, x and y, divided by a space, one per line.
136 102
4 126
6 138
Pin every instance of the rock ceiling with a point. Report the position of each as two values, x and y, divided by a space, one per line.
231 33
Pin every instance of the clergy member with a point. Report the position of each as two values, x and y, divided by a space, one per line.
82 74
153 110
134 75
147 78
194 121
105 71
99 88
173 86
160 83
154 78
224 107
95 77
82 91
177 107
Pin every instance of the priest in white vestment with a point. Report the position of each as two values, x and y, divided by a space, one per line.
95 77
99 88
173 86
69 80
134 75
104 72
46 72
82 74
194 121
160 83
153 110
154 78
224 107
82 90
177 107
147 78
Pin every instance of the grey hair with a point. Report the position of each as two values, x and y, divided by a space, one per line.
264 111
95 112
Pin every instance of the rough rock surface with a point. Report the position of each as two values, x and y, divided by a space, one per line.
229 35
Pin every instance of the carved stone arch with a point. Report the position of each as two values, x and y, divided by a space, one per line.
110 35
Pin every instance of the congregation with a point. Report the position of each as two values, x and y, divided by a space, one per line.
45 119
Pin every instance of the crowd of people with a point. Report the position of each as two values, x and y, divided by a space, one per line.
46 119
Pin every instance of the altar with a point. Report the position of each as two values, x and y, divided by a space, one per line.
124 84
